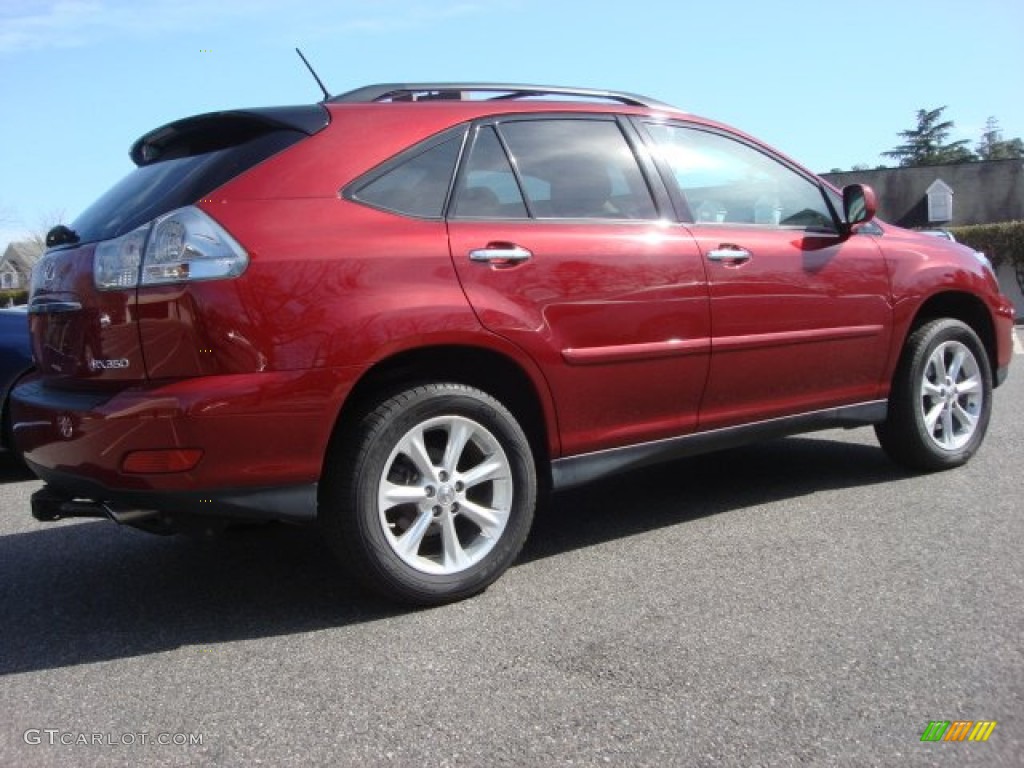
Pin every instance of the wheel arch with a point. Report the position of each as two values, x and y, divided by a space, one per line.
493 372
968 309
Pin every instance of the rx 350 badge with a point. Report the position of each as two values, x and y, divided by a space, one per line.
108 365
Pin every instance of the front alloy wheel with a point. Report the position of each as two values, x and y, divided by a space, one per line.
431 496
941 398
952 397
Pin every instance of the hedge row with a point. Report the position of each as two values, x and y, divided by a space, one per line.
13 296
1003 243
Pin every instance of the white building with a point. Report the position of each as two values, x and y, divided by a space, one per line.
16 265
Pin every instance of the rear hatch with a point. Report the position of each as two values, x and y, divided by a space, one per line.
85 295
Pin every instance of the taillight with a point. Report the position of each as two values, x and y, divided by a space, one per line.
177 247
116 262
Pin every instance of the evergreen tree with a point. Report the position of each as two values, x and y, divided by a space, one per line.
926 144
993 147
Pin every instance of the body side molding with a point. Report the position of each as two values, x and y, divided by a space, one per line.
572 471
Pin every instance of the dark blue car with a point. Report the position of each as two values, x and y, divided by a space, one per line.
15 362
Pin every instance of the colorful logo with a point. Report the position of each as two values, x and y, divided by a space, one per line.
958 730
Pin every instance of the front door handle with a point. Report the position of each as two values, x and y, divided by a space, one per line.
730 255
500 254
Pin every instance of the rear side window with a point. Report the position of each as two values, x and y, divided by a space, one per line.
489 187
416 183
538 168
578 169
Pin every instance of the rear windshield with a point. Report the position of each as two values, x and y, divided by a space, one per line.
152 190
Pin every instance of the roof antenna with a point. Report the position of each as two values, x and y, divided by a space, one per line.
313 73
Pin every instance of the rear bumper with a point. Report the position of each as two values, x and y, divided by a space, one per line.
67 495
263 437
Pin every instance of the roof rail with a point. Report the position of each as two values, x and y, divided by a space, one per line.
499 91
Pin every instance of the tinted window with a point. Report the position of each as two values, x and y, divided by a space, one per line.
152 190
416 185
578 169
726 181
489 188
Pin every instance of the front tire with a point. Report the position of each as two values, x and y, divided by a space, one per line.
941 398
431 497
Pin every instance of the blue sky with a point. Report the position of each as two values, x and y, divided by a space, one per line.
830 83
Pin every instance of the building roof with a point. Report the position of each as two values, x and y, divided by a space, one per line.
983 192
22 255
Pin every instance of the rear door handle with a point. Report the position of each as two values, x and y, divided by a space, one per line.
730 255
500 254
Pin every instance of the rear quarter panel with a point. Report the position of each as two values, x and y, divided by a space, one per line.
334 284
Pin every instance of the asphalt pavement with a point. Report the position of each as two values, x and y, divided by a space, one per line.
797 603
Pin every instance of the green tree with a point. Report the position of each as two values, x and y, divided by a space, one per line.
926 144
993 147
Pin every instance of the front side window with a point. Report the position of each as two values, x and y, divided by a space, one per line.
725 181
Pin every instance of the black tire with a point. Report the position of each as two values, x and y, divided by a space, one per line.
409 550
938 421
7 445
6 433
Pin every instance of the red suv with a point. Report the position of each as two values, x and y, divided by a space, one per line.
404 312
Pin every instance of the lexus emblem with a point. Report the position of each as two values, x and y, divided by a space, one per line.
49 272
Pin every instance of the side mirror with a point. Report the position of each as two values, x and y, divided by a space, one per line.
859 204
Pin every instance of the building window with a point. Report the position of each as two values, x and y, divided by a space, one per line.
940 202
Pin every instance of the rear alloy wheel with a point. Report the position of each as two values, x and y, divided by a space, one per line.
941 398
433 498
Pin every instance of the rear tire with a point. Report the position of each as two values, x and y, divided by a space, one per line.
941 398
430 498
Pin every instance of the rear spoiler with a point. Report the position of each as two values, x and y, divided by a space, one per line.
217 130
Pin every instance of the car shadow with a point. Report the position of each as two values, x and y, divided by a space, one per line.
673 493
13 470
78 592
